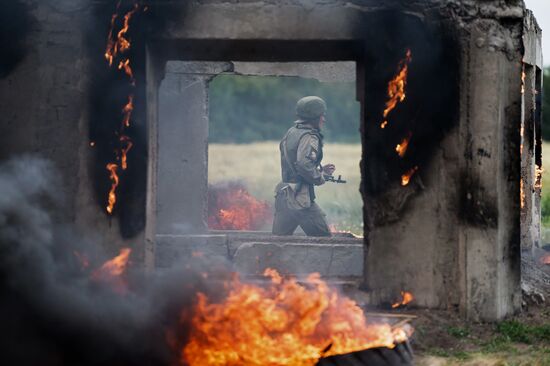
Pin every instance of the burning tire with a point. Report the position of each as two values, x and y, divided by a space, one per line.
401 355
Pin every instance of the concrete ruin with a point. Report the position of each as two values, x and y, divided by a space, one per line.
454 236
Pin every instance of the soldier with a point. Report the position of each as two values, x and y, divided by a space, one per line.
301 154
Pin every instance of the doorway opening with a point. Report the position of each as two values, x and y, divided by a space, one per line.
250 110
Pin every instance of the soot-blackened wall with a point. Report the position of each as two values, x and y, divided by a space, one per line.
452 236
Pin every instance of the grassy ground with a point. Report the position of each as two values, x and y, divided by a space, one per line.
258 166
520 341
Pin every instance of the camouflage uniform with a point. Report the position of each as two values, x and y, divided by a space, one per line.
301 154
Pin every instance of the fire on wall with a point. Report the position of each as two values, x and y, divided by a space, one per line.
99 262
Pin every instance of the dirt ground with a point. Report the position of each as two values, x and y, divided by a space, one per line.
443 338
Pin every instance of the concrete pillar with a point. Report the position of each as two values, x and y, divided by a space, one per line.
490 123
182 167
531 135
452 237
530 214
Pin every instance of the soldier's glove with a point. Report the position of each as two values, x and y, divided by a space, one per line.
329 169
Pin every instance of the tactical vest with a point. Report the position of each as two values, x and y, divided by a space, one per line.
291 141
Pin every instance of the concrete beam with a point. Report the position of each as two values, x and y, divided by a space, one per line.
332 260
335 258
182 175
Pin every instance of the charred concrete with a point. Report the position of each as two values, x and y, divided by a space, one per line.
465 134
15 24
474 208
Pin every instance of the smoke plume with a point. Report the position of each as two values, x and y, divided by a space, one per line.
53 312
15 24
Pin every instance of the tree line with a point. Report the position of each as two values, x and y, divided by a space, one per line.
246 109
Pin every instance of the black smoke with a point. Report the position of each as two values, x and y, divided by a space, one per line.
108 90
15 26
53 312
430 109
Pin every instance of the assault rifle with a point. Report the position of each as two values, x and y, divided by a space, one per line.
330 178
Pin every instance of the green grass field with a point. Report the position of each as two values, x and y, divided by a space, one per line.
258 166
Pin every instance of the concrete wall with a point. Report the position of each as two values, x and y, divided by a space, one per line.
454 236
531 151
456 233
458 244
253 252
182 183
491 267
416 249
43 104
178 142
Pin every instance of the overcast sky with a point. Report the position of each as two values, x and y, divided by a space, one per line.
541 8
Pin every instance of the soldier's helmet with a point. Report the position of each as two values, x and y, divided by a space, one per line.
310 108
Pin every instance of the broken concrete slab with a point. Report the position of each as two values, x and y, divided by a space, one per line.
170 249
336 260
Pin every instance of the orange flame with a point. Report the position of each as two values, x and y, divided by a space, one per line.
521 133
407 298
523 75
334 230
127 111
406 178
396 87
121 44
521 194
110 50
538 180
197 254
125 64
112 270
112 168
233 208
283 323
125 140
401 148
124 151
115 266
116 46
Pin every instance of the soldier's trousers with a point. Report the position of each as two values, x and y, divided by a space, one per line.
312 220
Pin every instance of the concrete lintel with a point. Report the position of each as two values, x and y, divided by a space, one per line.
201 68
343 71
225 20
